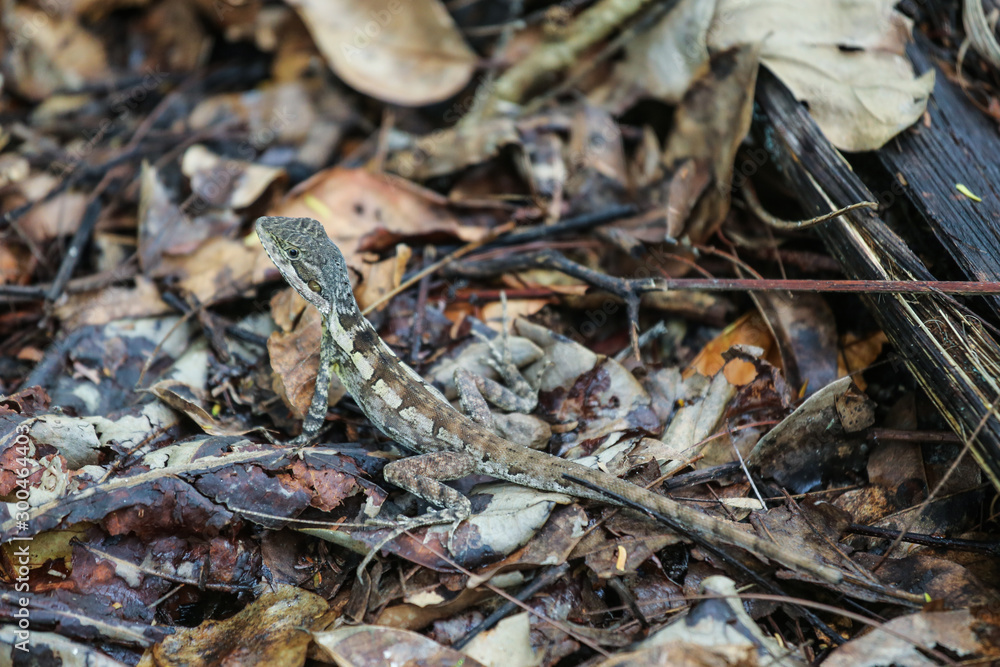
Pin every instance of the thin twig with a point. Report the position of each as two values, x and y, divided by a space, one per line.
750 196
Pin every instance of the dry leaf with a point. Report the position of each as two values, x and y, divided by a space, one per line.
845 59
662 61
225 182
405 52
50 52
711 123
953 631
749 330
353 203
859 353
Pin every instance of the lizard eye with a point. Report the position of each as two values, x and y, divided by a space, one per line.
293 253
315 286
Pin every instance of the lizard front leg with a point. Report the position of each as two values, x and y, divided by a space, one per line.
313 421
422 476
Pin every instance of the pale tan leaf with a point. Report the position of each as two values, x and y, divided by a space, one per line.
407 53
377 645
845 59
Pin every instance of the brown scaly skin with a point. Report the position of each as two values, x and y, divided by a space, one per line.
449 444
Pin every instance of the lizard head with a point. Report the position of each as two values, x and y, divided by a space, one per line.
308 260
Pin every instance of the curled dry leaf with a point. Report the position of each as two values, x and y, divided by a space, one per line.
845 59
357 207
711 122
405 52
196 404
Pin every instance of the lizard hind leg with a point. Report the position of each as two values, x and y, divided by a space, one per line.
423 476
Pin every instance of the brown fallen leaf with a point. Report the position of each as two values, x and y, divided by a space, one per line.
857 353
356 205
294 357
50 51
806 336
711 122
405 52
749 330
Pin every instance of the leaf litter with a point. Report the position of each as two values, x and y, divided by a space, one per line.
141 394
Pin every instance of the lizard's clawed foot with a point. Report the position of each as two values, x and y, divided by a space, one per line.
516 394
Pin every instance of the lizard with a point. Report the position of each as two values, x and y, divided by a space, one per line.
448 444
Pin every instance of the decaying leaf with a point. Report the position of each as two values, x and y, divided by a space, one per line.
663 60
590 395
813 442
269 630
